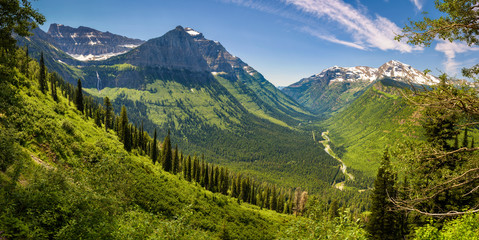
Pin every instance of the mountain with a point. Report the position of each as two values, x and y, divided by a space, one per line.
86 44
212 102
336 87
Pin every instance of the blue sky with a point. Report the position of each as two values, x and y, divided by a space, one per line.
285 40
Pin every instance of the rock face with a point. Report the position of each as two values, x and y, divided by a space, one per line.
335 87
86 44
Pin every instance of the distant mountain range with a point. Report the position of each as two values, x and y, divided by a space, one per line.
335 87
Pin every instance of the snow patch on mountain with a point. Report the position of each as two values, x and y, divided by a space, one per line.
91 57
392 69
192 32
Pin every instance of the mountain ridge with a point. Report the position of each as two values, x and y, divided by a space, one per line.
336 87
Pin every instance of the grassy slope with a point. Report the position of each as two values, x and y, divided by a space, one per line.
375 121
76 181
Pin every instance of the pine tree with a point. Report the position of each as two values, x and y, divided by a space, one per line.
167 155
176 160
108 114
189 169
53 86
383 223
154 149
197 170
124 129
98 117
225 182
273 201
465 141
42 79
333 210
206 177
79 97
216 182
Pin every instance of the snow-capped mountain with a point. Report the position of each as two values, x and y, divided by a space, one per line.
86 44
336 86
392 69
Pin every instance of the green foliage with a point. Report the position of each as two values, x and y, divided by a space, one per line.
16 17
462 228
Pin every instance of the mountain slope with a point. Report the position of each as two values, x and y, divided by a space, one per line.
67 178
377 119
336 87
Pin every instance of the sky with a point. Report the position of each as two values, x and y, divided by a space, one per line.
285 40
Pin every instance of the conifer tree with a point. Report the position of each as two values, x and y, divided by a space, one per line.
108 114
53 86
383 223
333 210
225 182
154 149
98 118
189 169
272 200
465 141
42 79
167 154
206 177
176 161
197 170
79 97
216 182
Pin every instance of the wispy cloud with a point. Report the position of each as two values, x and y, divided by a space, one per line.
331 38
450 49
418 3
368 32
364 31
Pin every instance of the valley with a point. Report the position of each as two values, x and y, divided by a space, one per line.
105 136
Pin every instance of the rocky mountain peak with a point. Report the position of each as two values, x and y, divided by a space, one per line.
85 44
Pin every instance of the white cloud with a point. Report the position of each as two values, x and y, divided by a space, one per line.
450 49
368 32
331 38
417 3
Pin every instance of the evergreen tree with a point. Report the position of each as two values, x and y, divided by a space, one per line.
176 160
98 118
197 170
465 141
273 201
189 169
333 210
79 97
216 182
109 114
383 223
167 155
53 85
225 182
206 177
42 79
154 149
124 129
